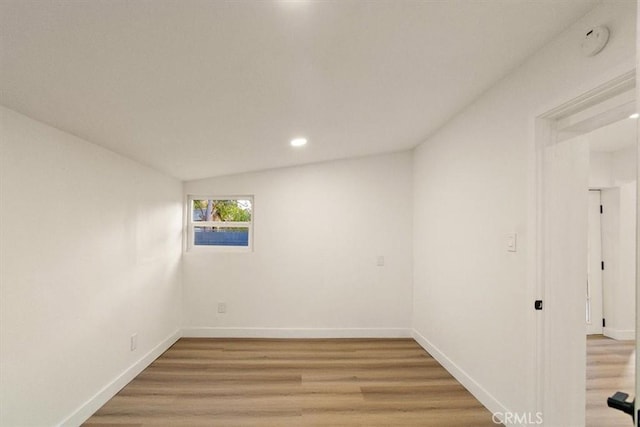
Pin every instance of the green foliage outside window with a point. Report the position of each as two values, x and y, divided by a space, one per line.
222 210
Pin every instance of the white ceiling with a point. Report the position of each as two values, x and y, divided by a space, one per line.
205 88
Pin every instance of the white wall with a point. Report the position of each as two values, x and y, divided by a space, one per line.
623 164
71 297
474 182
615 173
612 169
618 238
627 314
90 250
318 231
600 169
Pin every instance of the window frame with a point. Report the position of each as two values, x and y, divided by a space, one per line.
192 225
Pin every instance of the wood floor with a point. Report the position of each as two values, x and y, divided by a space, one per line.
610 368
240 382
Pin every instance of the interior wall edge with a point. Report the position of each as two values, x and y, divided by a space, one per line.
88 408
468 382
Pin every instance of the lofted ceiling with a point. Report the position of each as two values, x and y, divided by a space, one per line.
205 88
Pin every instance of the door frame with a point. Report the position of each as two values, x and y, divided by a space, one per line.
598 328
595 108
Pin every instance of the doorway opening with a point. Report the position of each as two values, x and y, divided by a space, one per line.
610 306
574 143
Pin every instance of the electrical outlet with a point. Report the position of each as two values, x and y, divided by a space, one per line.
380 261
134 342
222 307
512 239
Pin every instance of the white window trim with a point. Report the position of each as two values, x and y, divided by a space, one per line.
191 225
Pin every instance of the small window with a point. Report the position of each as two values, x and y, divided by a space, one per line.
220 222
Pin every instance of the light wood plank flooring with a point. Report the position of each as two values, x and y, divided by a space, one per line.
241 382
610 368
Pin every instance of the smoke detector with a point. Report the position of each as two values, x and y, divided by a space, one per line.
595 40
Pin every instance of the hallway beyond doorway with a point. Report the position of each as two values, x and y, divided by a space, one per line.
610 366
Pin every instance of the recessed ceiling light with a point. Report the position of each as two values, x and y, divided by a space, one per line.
634 116
298 142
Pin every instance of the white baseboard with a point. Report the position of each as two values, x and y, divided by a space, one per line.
490 402
619 334
93 404
85 411
210 332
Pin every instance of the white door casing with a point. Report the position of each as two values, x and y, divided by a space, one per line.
565 198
